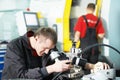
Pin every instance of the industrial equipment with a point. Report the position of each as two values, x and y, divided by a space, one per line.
77 73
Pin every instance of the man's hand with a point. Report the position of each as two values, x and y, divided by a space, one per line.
59 66
100 66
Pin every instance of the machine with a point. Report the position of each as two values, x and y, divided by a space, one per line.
77 73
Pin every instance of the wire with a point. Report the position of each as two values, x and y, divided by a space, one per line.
87 48
56 76
94 45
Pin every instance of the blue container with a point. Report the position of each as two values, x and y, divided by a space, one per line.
2 53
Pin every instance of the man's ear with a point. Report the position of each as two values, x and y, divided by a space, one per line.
36 38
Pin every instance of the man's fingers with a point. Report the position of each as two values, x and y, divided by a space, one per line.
106 66
67 61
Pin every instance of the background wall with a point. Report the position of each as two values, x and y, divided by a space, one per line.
8 9
110 14
114 31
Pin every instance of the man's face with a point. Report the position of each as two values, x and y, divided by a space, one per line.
43 45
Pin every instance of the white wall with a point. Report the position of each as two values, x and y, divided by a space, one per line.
111 17
105 10
114 31
80 9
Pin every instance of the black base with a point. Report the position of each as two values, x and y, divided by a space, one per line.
117 73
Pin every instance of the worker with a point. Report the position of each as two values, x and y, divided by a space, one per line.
89 30
27 57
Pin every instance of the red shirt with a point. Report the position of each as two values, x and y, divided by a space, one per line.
92 19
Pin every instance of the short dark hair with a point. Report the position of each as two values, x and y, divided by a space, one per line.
48 33
91 6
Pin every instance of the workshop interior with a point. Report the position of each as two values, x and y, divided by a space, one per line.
19 16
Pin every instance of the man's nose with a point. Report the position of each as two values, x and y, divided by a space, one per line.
47 50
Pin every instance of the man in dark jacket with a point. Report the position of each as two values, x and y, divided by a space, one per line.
27 57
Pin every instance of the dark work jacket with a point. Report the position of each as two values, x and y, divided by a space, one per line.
20 63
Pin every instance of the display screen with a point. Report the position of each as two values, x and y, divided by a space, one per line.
31 19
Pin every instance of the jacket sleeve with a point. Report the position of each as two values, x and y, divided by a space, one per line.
15 66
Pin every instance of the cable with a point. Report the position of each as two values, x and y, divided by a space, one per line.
56 76
94 45
87 48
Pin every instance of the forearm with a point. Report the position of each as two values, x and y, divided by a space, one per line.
76 36
82 62
50 69
101 36
76 39
89 66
